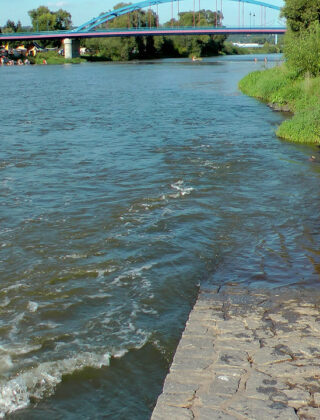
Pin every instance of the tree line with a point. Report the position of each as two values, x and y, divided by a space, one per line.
42 19
159 46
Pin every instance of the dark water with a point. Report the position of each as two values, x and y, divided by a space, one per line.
123 188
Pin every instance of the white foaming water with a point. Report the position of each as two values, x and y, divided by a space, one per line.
5 302
74 256
13 287
15 325
5 363
32 306
41 381
19 349
134 273
179 185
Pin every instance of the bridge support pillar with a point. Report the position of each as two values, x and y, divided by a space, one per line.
71 48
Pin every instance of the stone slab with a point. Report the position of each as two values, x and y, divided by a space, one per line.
246 354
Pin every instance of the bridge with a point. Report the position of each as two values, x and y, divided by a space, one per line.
92 28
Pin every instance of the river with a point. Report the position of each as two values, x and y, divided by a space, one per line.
123 188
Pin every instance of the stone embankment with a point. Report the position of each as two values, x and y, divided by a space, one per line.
246 355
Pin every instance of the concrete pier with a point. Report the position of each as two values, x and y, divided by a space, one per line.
71 48
246 355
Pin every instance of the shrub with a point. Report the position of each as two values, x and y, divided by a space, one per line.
267 84
302 96
302 50
304 127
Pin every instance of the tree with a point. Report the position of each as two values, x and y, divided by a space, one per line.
63 20
45 20
201 45
207 18
302 40
126 48
11 26
302 51
158 46
301 13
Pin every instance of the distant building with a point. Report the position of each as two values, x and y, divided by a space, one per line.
19 51
248 45
84 51
33 51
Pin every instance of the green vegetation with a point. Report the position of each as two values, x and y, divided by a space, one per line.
302 50
266 42
265 49
45 20
52 57
295 86
122 49
11 27
281 88
300 13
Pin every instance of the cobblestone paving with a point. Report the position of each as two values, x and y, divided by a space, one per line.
246 355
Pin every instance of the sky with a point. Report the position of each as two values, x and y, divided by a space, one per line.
83 10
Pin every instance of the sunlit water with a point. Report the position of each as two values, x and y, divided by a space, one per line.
123 188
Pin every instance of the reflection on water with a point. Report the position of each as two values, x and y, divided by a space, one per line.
124 187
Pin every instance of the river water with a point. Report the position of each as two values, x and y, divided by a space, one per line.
123 188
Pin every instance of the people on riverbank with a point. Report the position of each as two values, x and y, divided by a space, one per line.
5 61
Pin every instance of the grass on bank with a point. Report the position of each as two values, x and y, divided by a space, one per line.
280 87
52 57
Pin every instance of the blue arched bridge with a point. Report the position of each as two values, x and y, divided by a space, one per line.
95 22
92 28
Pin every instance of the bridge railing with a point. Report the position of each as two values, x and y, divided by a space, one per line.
132 29
27 34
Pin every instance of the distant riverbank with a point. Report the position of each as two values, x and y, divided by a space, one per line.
283 91
99 51
54 58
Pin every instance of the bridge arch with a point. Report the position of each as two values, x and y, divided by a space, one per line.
91 24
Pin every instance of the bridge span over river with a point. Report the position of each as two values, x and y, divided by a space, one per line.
94 27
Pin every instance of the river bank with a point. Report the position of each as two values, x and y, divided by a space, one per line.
54 58
280 88
246 354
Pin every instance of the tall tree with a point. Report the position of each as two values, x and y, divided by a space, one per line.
44 19
201 45
302 40
63 20
11 26
300 14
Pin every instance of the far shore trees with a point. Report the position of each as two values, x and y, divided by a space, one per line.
159 46
44 19
11 26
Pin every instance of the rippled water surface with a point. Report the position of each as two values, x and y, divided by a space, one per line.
124 187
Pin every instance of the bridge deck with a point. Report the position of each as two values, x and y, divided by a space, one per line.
20 36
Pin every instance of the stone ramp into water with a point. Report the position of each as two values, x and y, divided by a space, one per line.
246 355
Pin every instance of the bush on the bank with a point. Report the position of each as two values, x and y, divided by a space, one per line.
304 127
267 84
302 50
302 96
297 83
